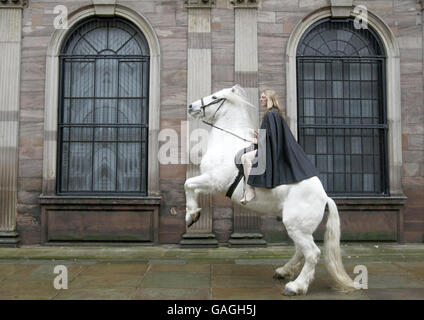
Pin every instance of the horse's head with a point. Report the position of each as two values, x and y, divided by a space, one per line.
207 107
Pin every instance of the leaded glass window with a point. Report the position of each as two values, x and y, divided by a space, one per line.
103 112
341 106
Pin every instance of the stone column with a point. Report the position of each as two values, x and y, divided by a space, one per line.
199 85
247 228
10 60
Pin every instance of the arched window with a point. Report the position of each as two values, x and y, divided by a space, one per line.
103 109
342 107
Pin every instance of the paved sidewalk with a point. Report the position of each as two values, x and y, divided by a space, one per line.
168 272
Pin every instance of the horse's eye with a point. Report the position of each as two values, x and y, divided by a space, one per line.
214 97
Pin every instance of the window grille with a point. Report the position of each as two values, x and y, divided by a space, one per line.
103 111
341 106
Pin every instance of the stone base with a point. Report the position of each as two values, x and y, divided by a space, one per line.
9 239
199 240
247 240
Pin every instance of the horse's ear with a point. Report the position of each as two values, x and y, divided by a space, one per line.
235 88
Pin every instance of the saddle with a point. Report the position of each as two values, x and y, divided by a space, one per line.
239 165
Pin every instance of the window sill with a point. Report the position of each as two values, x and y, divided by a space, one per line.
105 200
371 202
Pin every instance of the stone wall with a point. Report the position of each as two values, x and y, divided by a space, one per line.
276 20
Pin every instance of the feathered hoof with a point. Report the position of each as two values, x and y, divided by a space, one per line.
288 293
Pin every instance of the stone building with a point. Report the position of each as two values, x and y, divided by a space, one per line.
86 87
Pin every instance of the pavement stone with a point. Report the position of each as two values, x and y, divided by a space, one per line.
176 280
96 294
169 272
172 294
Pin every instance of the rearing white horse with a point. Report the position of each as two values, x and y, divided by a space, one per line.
301 204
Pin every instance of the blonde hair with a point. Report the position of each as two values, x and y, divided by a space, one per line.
272 101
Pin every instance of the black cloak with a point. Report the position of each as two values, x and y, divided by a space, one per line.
286 162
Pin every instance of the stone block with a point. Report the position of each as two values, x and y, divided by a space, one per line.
173 112
32 100
381 7
412 156
143 7
33 70
171 32
176 96
410 169
412 182
30 184
27 221
174 60
32 210
312 4
173 44
31 115
31 153
278 5
276 29
173 171
30 168
181 18
172 78
25 197
266 17
32 86
221 201
223 73
173 191
222 213
416 142
403 6
161 19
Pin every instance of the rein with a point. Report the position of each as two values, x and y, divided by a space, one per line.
214 126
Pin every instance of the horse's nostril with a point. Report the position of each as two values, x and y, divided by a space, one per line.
190 106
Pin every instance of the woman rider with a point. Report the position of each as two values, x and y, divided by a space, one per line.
286 162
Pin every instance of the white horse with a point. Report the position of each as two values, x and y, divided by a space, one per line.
301 204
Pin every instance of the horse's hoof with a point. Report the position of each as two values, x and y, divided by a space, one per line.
288 293
278 276
193 219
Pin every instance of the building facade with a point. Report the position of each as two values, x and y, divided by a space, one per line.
92 91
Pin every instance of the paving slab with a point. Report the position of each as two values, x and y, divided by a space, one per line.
172 294
169 272
176 280
395 294
96 294
42 289
106 281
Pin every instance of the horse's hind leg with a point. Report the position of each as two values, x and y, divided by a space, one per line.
291 268
304 241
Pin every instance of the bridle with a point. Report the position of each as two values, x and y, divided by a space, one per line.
222 100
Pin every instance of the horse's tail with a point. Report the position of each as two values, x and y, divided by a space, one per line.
333 259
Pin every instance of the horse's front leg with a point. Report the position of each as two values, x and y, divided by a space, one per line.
193 187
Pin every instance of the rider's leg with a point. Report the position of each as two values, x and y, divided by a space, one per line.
247 159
